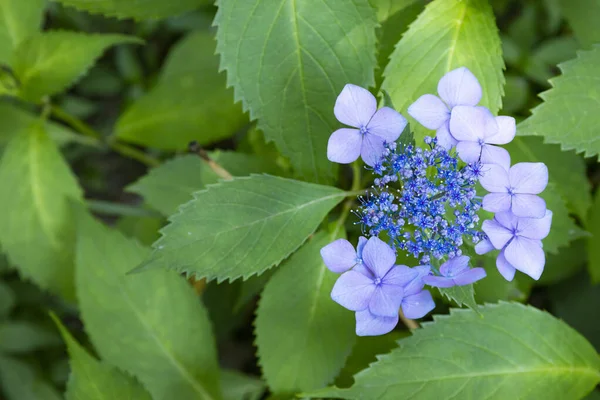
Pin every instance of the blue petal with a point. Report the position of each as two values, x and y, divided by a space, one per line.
429 111
417 305
344 146
353 291
378 256
339 256
368 324
454 266
470 276
355 106
460 87
386 300
438 281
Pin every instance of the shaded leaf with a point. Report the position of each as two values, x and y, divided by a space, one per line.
593 250
15 120
582 17
303 337
25 337
288 61
447 35
247 225
18 20
190 102
494 287
48 63
40 185
7 300
365 352
21 381
567 262
574 300
91 379
508 351
237 386
163 336
137 9
567 116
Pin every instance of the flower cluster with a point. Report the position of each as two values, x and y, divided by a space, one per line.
415 217
424 201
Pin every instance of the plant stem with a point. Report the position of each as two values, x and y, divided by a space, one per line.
409 323
217 169
86 130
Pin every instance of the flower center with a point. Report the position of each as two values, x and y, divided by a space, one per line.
481 142
511 191
377 281
363 130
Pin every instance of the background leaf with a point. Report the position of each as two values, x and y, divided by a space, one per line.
137 9
48 63
581 15
248 226
163 336
448 34
509 351
23 336
593 250
21 381
567 116
18 20
38 233
16 120
288 61
303 337
189 102
237 386
171 184
93 380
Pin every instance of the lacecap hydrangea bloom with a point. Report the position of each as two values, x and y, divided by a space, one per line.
424 202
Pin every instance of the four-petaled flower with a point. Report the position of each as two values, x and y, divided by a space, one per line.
375 288
477 131
516 189
455 272
457 88
357 107
520 242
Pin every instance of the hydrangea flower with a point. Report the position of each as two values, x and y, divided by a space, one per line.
357 107
416 302
457 88
477 131
516 189
432 213
520 242
376 289
455 272
339 256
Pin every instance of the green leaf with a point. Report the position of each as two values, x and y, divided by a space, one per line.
48 63
449 34
25 337
288 61
136 9
94 380
365 352
574 300
567 181
303 337
7 300
238 386
21 381
495 288
163 336
593 250
18 20
16 120
38 232
171 184
567 262
461 295
568 114
582 16
189 103
508 351
247 226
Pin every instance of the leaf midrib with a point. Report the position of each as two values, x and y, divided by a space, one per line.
289 210
140 316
